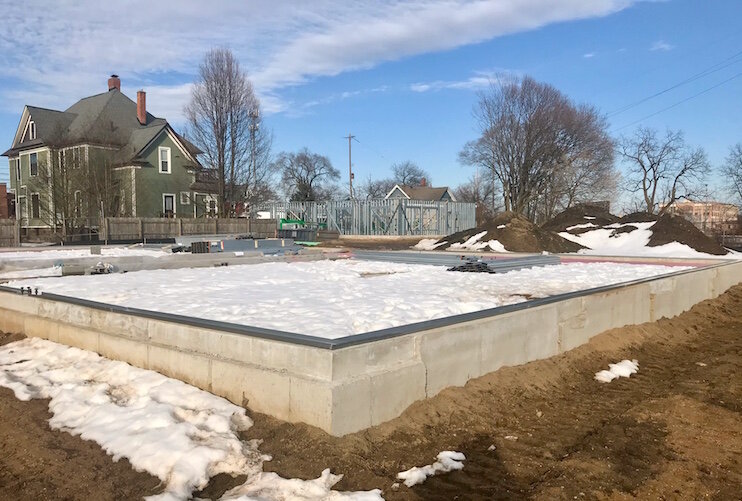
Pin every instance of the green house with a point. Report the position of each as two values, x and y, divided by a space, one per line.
104 156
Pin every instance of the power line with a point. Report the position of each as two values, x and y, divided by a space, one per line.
708 71
681 102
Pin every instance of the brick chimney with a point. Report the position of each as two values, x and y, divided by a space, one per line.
423 182
114 83
142 107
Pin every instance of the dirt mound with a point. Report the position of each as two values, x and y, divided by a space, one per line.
580 214
514 232
669 228
638 217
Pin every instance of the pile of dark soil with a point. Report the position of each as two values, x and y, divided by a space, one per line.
669 228
580 214
516 234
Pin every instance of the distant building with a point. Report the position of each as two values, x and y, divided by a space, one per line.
709 217
5 207
104 156
423 192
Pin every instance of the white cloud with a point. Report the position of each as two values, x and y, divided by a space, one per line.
589 55
661 45
52 53
480 80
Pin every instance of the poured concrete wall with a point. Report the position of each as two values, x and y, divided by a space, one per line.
348 389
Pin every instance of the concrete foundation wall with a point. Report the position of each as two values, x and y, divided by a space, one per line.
347 389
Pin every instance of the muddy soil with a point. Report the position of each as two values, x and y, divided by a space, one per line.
672 431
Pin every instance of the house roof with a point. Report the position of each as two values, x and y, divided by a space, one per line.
108 119
422 192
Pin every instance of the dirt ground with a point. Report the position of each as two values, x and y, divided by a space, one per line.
374 243
672 431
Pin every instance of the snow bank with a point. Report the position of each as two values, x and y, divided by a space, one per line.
447 461
624 368
176 432
333 299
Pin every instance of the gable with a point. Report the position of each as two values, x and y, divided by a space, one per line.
166 137
397 192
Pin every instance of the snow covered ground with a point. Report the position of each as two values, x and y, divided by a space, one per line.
603 241
333 299
172 430
72 252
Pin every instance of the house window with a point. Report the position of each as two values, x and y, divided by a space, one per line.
168 205
33 158
164 160
17 169
35 206
185 198
61 160
211 206
22 207
31 130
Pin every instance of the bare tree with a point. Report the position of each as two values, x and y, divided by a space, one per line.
306 175
409 174
663 170
375 188
732 171
481 191
543 150
224 121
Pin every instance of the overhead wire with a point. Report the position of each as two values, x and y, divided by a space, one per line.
709 89
731 60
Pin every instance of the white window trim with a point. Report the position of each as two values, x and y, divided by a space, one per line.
175 205
32 130
187 198
169 160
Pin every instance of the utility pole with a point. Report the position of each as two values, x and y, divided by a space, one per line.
350 137
254 124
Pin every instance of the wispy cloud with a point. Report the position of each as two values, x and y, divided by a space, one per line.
480 80
54 52
589 55
661 45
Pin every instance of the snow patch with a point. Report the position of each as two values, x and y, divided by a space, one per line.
473 243
447 461
428 244
580 226
174 431
624 368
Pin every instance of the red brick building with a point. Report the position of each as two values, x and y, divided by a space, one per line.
5 211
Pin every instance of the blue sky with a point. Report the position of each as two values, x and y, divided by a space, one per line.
401 76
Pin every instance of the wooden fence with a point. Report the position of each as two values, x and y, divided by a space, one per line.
9 233
141 229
